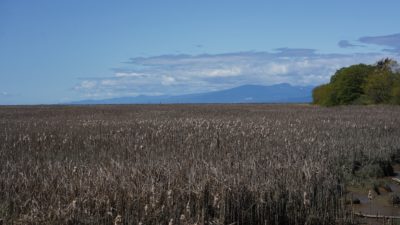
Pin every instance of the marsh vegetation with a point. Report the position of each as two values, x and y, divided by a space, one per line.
190 164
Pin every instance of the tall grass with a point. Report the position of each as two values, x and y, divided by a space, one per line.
186 164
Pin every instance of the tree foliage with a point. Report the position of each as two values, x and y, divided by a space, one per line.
322 95
361 84
378 87
396 93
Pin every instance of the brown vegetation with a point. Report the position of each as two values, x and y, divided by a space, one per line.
186 164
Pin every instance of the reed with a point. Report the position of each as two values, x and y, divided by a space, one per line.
187 164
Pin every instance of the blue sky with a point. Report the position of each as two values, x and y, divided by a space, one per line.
61 51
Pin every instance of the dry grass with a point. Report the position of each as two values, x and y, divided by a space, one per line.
186 164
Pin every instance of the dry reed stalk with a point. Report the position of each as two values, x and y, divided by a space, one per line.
151 164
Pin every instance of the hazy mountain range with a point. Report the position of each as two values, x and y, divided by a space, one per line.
279 93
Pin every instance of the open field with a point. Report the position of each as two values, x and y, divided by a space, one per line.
190 164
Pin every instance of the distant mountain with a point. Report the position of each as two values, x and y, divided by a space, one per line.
279 93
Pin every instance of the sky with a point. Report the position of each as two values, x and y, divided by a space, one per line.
67 50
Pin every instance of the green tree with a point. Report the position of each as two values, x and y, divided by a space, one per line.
348 83
322 95
386 64
378 87
396 91
361 84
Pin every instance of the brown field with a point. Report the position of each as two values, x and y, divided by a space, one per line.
188 164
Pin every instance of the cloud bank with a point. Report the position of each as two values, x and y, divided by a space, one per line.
347 44
177 74
391 41
183 74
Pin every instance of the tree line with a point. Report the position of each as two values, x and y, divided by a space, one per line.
361 84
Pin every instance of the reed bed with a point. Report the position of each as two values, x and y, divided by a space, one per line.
187 164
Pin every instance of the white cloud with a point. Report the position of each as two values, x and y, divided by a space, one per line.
167 80
228 72
128 74
86 84
109 82
184 74
276 68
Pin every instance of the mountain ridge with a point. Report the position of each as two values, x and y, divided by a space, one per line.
249 93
